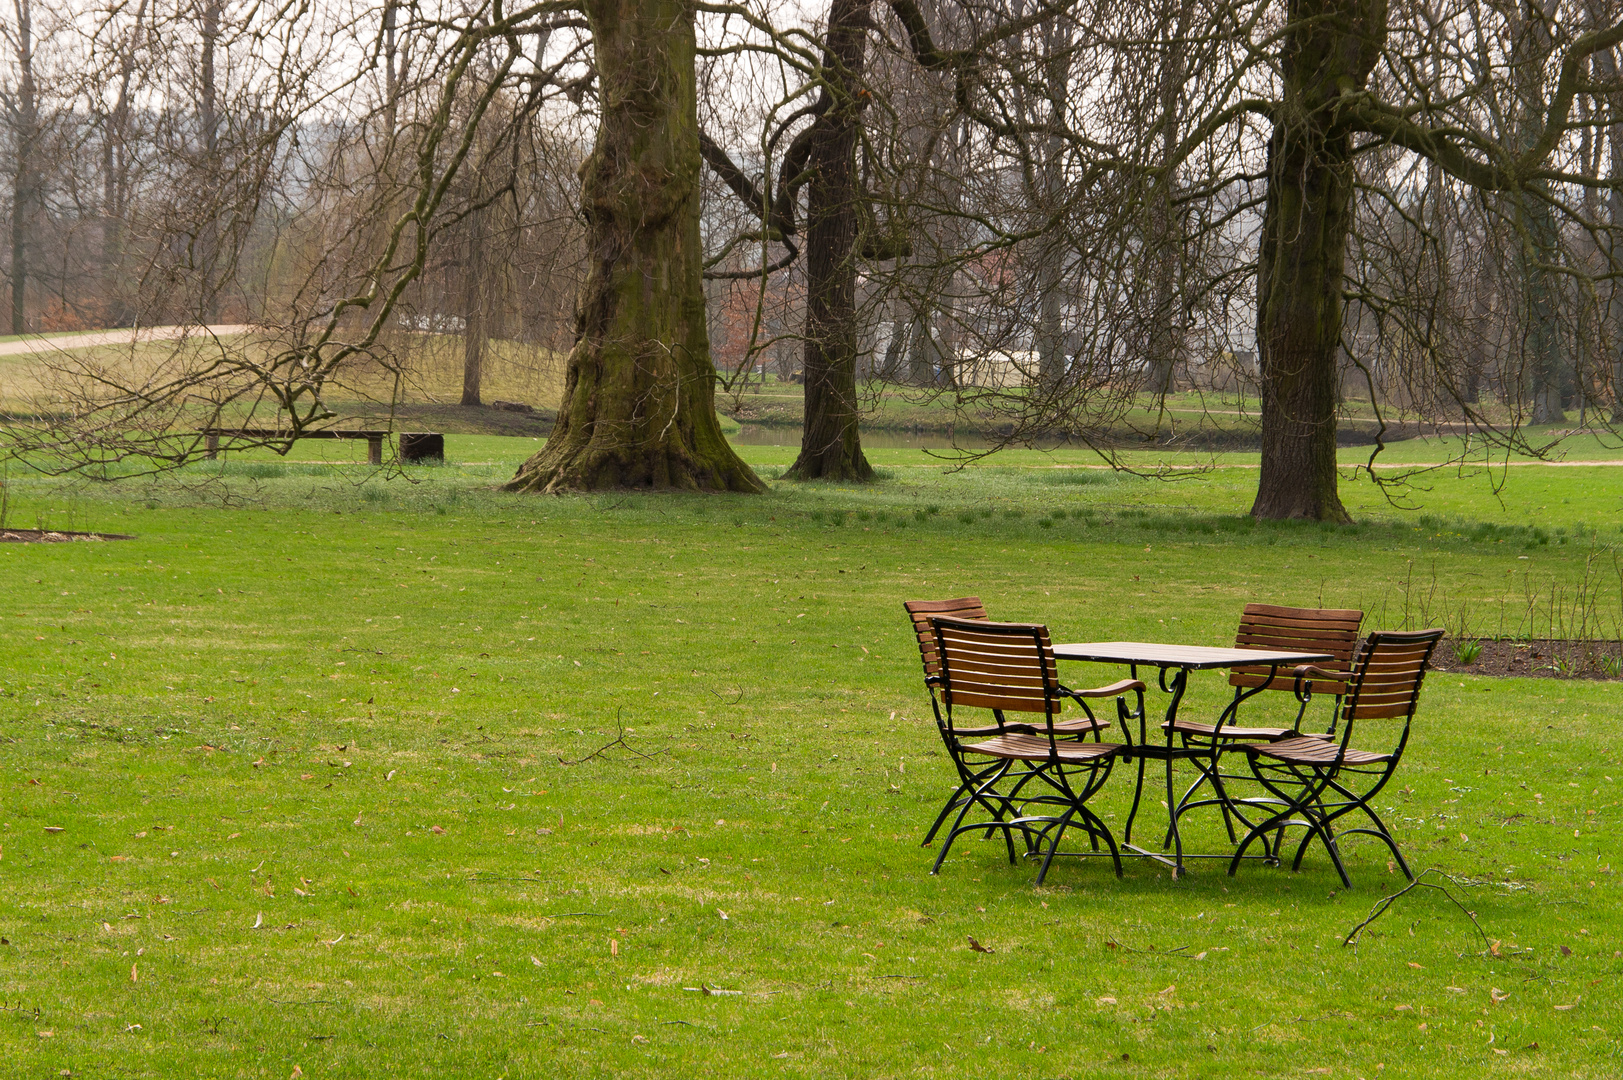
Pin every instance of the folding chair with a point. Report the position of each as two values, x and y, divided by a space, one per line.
1319 780
1266 626
972 774
1009 668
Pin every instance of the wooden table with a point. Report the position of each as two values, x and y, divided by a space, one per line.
1179 661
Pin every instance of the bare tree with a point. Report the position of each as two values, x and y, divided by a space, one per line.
22 115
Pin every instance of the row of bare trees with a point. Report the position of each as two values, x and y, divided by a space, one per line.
1051 211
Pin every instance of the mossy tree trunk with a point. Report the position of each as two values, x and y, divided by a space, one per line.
830 446
638 409
1328 51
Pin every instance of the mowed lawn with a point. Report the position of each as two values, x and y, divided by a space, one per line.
331 773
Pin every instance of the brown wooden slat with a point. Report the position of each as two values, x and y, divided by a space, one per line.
1274 611
1004 702
1275 638
1309 750
1306 617
1037 748
1375 710
1250 626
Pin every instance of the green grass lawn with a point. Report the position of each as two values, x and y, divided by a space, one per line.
338 773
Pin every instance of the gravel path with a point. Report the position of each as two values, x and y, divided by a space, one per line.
113 337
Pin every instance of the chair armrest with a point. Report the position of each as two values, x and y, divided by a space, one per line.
1114 689
1306 673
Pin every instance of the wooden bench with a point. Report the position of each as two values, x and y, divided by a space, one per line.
414 445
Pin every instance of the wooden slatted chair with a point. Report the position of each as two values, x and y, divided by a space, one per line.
1321 780
972 774
1268 626
1009 668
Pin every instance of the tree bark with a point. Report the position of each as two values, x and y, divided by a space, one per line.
208 239
1167 318
1536 228
830 445
475 332
1606 67
1050 334
25 179
116 156
1328 50
638 409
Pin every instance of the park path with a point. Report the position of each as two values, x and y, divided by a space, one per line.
1181 467
45 344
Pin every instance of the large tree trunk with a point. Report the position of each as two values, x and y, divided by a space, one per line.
1329 48
638 409
830 448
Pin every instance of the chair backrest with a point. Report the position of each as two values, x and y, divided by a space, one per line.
1008 667
1386 680
1320 630
922 611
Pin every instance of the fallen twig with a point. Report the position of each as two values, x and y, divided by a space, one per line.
1151 951
619 740
1386 902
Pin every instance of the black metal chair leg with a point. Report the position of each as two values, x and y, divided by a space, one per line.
971 799
1317 826
1277 821
970 782
1053 846
1391 844
1094 821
